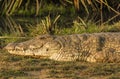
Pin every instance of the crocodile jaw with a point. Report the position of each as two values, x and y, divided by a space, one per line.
36 47
45 50
34 52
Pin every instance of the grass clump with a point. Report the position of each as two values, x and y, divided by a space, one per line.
78 26
10 73
111 28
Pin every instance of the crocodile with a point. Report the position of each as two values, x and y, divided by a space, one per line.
94 47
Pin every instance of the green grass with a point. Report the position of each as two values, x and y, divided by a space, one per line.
19 67
47 26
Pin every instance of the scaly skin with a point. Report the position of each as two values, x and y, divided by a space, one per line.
96 47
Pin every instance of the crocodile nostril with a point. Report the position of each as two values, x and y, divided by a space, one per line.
47 49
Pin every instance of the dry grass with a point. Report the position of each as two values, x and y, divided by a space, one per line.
19 67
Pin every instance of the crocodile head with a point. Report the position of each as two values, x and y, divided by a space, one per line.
43 46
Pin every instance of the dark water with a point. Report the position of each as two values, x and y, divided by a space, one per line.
9 24
13 25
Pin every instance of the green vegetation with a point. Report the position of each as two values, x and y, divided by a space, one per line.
100 10
60 16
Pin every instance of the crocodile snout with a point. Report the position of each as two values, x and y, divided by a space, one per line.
10 46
